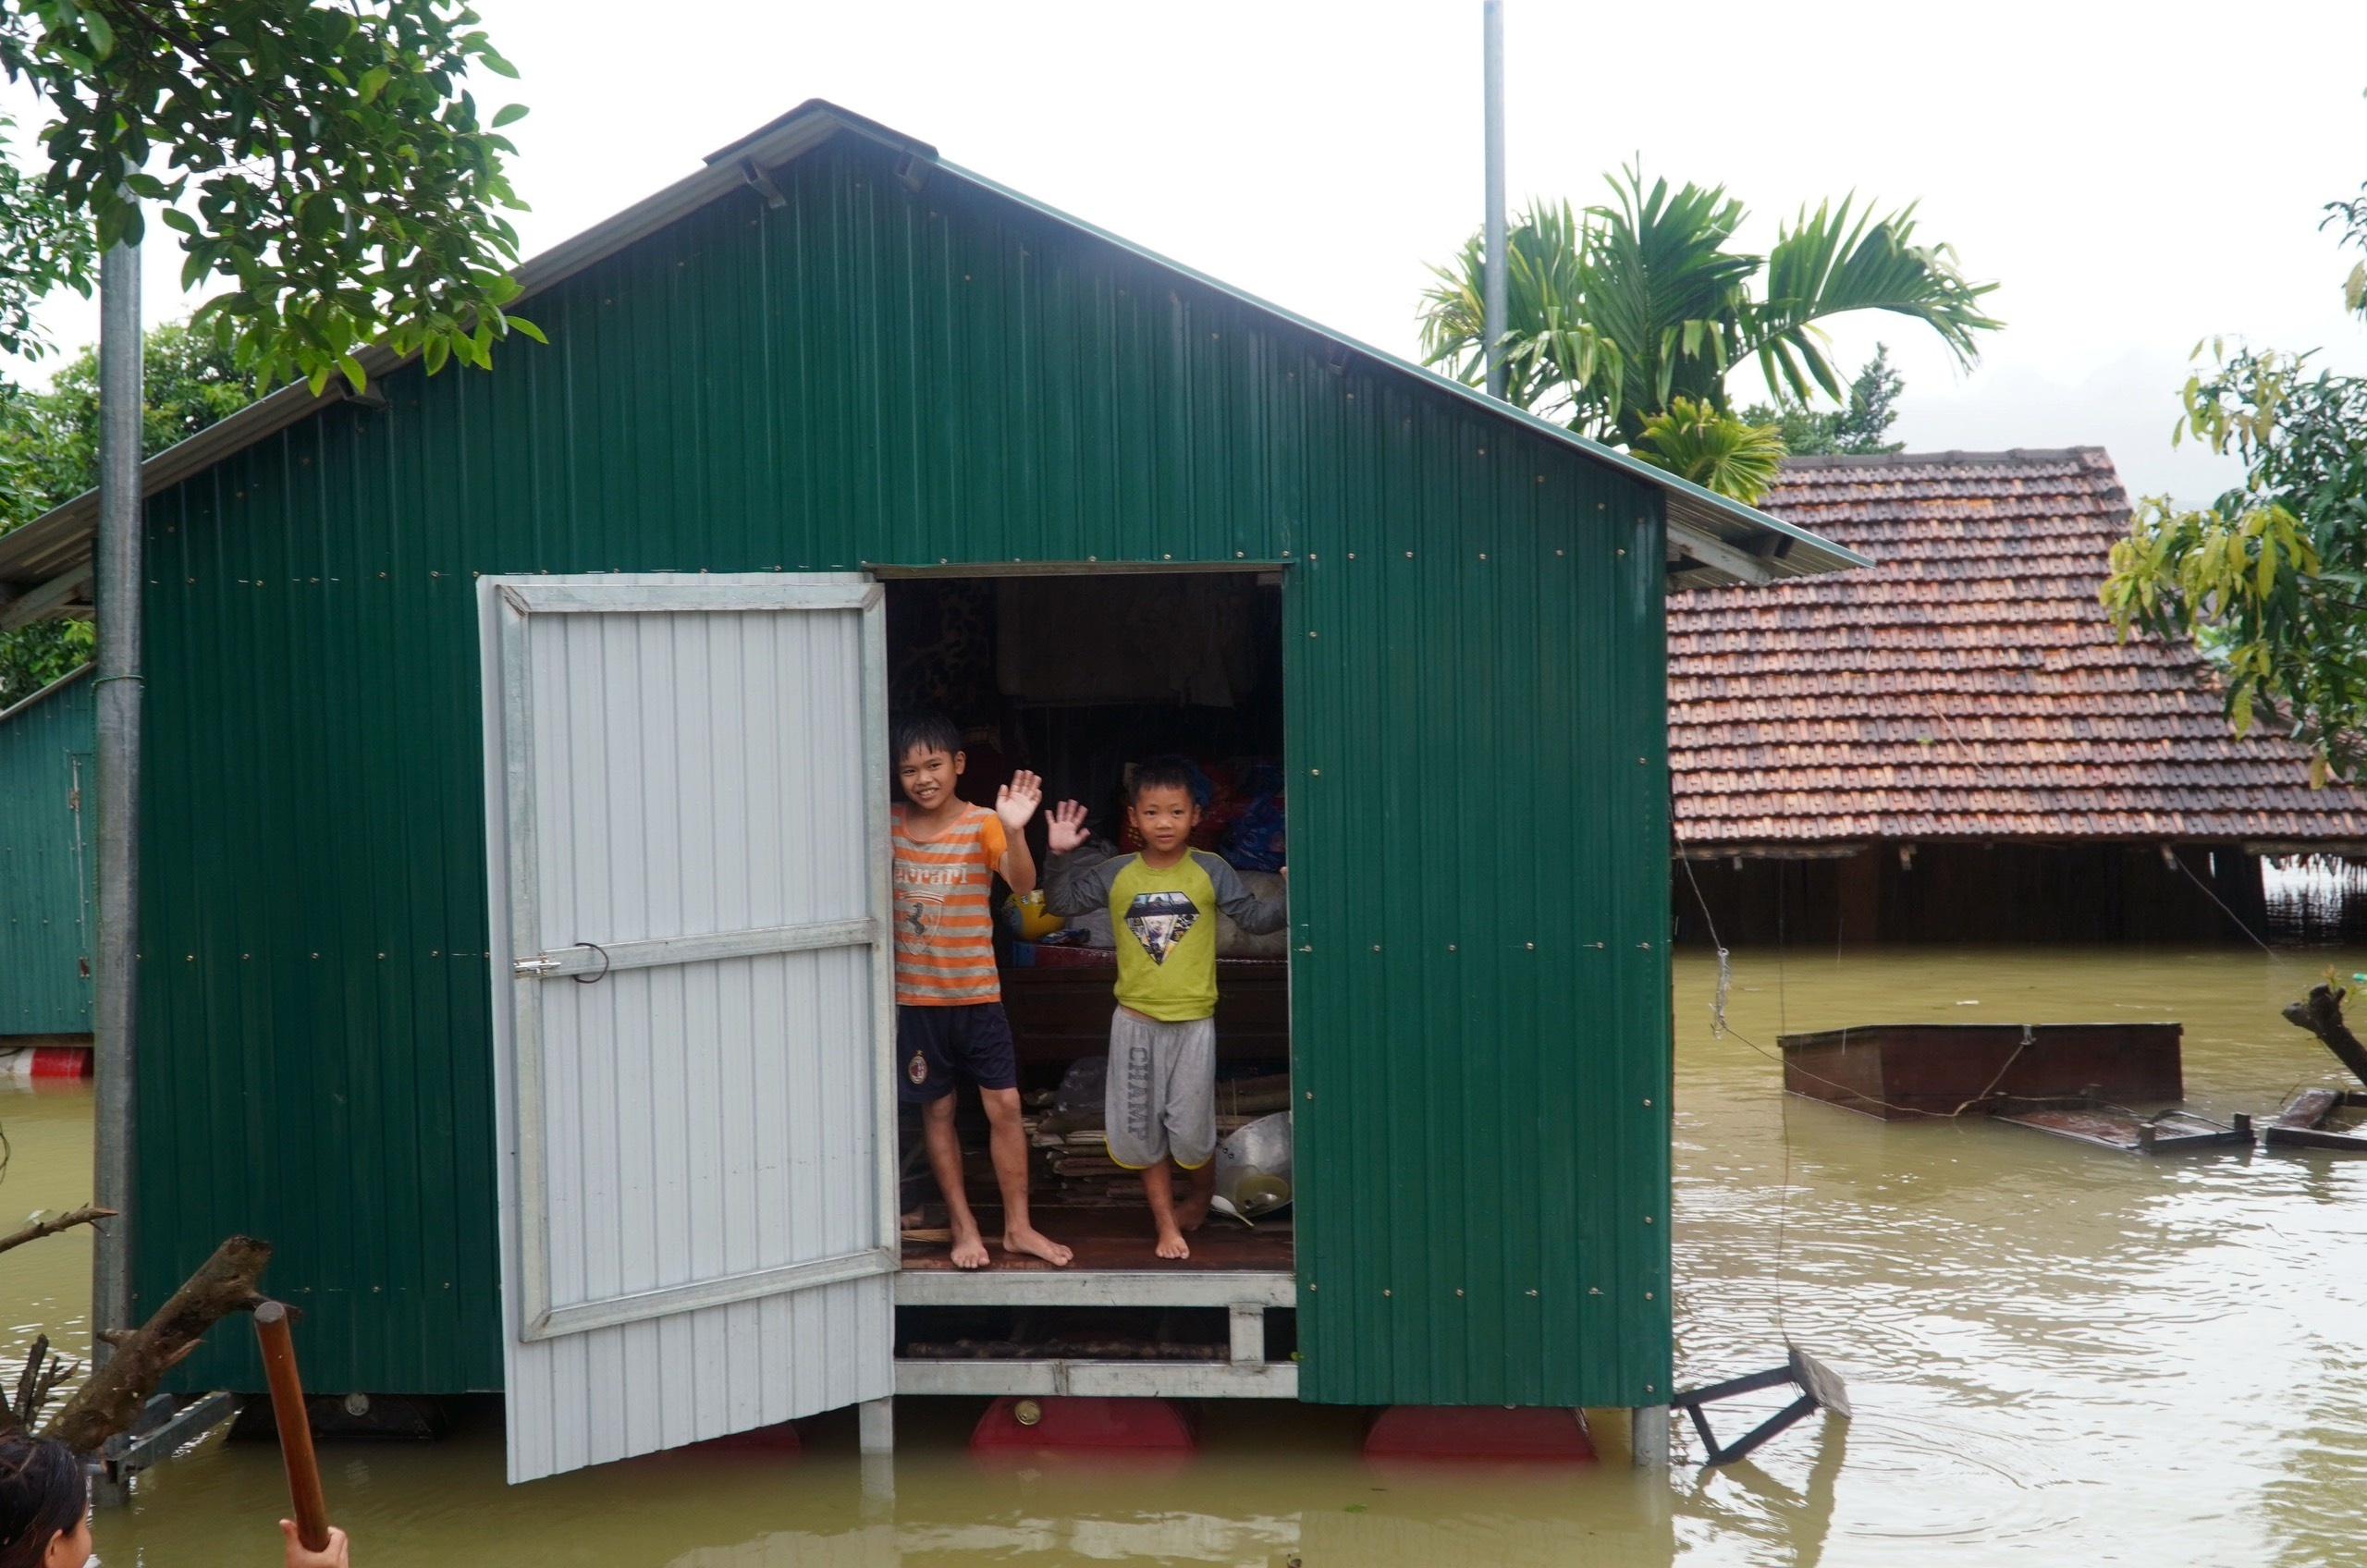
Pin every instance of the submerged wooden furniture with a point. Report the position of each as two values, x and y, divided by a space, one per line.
2320 1118
2089 1121
1903 1072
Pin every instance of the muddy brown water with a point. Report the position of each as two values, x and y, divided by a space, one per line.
2057 1354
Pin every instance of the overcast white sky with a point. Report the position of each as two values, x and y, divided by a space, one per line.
2136 177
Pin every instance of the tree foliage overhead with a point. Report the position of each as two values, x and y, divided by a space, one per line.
1616 313
44 245
327 162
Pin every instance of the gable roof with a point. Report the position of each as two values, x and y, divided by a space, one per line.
1970 686
45 565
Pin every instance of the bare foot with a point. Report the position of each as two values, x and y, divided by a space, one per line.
1193 1212
1172 1246
1035 1243
969 1249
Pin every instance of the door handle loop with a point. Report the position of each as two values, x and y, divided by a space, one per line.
592 979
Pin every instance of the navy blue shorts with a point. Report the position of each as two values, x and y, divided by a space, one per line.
938 1048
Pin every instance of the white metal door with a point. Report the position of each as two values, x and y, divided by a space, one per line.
693 1004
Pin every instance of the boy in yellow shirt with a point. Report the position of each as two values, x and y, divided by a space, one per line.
1160 1103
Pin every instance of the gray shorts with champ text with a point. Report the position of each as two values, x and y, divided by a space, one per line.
1162 1101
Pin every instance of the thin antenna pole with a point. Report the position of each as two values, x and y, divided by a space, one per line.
117 694
1491 284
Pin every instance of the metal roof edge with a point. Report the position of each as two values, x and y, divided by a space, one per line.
1701 498
783 139
71 676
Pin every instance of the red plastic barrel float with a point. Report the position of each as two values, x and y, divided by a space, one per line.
1524 1434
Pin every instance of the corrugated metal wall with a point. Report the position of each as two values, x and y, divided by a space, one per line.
869 374
46 863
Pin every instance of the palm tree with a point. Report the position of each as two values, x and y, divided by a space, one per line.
1616 313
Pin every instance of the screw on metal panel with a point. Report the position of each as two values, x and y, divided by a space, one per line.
1532 1292
1315 772
316 955
1458 1290
1557 552
1648 1105
1027 1412
1650 1387
1594 1290
1541 479
1483 555
1089 559
243 957
1384 1290
1648 1220
1409 555
381 955
1481 450
1643 944
1648 1295
1532 947
1310 634
1305 947
1310 1093
1450 946
1241 555
1311 1285
1167 558
1376 947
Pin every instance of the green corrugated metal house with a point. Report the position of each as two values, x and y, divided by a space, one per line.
831 362
45 863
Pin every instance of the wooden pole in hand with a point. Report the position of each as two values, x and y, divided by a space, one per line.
295 1428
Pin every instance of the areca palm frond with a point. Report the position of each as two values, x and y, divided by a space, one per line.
1615 314
1713 448
1554 356
1828 264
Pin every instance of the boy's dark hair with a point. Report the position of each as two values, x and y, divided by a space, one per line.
1161 773
923 733
43 1494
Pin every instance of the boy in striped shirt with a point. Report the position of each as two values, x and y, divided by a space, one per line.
949 1024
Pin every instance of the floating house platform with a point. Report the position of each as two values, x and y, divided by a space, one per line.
517 917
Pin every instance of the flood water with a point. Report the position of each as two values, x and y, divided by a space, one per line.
2057 1354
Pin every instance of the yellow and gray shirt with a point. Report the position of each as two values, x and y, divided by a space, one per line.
1164 923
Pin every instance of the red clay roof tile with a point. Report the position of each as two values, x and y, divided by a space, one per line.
1967 684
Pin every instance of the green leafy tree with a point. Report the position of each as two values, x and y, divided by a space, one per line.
1858 429
49 454
44 245
327 161
1616 312
2271 577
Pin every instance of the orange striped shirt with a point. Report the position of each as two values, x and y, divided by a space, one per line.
945 939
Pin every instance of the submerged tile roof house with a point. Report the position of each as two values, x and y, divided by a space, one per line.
1967 685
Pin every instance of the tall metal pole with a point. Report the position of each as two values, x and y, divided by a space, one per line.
119 688
1491 284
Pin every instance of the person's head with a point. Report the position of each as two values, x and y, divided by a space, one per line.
44 1504
928 758
1160 805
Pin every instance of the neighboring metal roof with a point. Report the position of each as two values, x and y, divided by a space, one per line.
1713 539
1970 686
55 687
